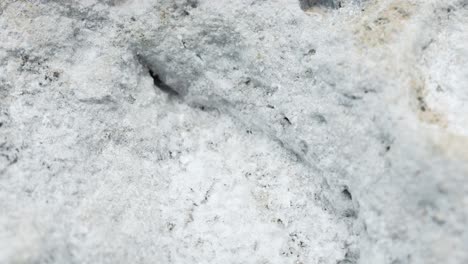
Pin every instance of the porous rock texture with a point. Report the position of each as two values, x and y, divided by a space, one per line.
234 131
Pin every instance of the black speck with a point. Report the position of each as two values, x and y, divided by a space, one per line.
369 90
422 103
308 4
351 96
170 226
347 194
350 213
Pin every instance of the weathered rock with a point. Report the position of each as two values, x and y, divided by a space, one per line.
242 131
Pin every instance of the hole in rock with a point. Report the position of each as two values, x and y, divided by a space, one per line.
161 84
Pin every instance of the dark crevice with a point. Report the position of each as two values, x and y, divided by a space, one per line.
158 79
287 120
162 85
347 194
352 96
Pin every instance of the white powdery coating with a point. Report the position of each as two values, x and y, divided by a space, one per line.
327 135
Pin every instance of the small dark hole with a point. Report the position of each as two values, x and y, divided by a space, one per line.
162 85
158 80
347 194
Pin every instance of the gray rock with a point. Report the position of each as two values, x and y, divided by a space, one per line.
183 131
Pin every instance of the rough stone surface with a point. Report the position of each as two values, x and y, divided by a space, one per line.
246 131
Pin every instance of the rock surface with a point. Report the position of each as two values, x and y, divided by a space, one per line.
247 131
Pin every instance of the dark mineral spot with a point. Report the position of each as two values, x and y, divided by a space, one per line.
170 226
303 146
368 90
159 76
352 96
287 120
308 4
347 194
422 104
319 118
312 52
350 213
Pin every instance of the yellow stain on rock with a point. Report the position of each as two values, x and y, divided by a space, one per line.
381 24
